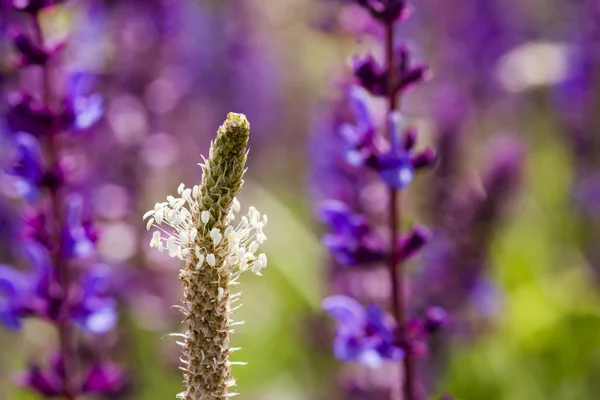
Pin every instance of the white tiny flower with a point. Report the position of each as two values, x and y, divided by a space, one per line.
183 237
180 188
253 247
220 294
187 195
193 234
173 248
216 236
210 259
149 224
261 238
159 215
154 243
236 205
233 243
178 204
198 252
228 230
259 264
200 262
205 216
254 215
241 253
148 214
195 191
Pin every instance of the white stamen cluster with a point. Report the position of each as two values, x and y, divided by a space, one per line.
179 237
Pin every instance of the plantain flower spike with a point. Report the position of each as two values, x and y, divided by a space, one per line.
198 226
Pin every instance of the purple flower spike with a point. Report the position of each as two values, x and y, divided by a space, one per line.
352 242
395 166
76 243
27 166
103 378
364 335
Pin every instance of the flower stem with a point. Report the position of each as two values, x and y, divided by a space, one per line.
395 267
65 325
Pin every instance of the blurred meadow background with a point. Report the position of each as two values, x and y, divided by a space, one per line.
511 105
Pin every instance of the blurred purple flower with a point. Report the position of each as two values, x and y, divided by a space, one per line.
31 53
46 382
364 335
352 241
83 108
26 114
411 243
360 148
385 11
397 165
103 378
24 294
27 166
100 377
75 241
33 6
371 74
435 318
95 310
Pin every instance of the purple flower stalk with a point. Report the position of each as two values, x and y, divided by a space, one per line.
55 233
369 335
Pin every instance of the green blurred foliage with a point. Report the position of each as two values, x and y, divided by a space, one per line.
544 343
